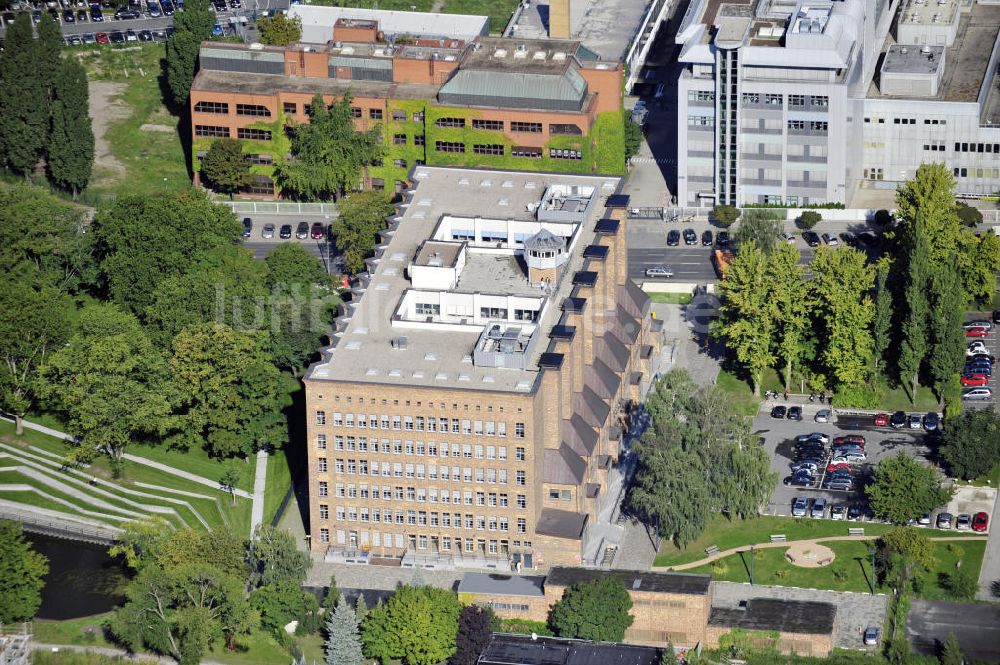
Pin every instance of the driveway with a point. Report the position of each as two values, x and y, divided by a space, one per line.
977 628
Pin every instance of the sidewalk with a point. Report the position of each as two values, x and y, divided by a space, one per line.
259 483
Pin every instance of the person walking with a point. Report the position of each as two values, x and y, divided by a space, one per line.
786 394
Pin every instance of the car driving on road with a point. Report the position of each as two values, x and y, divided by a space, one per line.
659 271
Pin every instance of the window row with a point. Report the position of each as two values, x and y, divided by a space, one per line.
246 133
424 518
964 172
905 121
559 153
430 423
222 108
444 543
427 495
454 474
978 147
811 125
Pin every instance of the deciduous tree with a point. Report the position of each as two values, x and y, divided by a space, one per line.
725 214
594 610
362 216
904 488
951 652
35 322
882 321
915 345
229 395
947 308
842 284
343 641
22 575
225 168
274 557
280 29
328 154
760 227
110 382
971 443
281 603
473 634
417 624
792 295
748 312
71 147
291 263
24 99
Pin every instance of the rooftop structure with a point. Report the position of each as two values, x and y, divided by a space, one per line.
784 616
318 22
532 650
654 582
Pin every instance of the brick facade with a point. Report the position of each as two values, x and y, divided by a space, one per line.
802 644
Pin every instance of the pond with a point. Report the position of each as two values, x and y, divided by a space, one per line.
82 580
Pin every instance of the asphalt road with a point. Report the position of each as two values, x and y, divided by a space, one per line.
977 628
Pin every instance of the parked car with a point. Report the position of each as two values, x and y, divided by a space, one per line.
131 36
68 16
145 36
722 239
978 368
318 231
924 520
898 420
126 14
854 512
978 323
996 316
813 436
96 15
809 467
850 439
868 239
818 508
830 239
871 636
839 484
690 237
881 420
977 394
915 421
268 231
659 271
811 238
117 37
799 480
217 30
975 380
963 522
838 512
978 331
706 238
89 38
153 9
976 348
778 412
673 238
980 522
285 232
102 38
74 40
944 520
247 227
794 413
992 360
788 237
931 421
82 16
849 239
823 416
799 505
168 7
832 468
302 230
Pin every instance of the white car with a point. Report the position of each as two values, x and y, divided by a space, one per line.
659 271
788 237
831 239
823 416
977 348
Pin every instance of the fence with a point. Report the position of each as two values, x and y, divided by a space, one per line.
62 529
281 208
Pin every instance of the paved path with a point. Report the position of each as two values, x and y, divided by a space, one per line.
201 480
746 548
110 651
259 482
990 572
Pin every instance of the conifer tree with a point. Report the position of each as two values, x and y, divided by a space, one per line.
343 643
71 148
24 109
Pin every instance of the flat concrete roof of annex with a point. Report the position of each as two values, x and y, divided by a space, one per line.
435 357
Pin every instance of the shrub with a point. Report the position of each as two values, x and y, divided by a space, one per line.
883 218
809 219
970 216
525 627
725 215
858 397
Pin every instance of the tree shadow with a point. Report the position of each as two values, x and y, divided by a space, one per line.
182 115
295 456
864 571
746 566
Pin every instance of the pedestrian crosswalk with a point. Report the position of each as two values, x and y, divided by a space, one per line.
666 161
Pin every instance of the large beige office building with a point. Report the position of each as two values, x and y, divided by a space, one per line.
477 391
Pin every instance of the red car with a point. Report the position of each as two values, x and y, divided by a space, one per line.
980 522
318 231
102 38
840 466
975 380
977 332
850 439
882 420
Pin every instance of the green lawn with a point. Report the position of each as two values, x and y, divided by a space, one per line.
279 481
671 298
850 571
499 11
740 394
198 462
147 142
84 631
992 479
396 5
725 534
897 399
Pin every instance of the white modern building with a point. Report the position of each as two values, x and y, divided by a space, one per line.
806 102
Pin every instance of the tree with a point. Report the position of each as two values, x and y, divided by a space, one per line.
343 641
58 253
328 154
228 481
142 240
792 296
225 168
915 344
979 265
951 653
961 584
905 550
760 227
594 610
926 209
280 29
219 548
882 321
633 136
332 595
71 147
726 215
229 395
140 541
290 263
473 635
362 216
24 99
274 557
809 218
747 312
971 443
904 488
842 283
110 382
191 28
947 308
35 322
281 603
968 215
49 48
417 624
22 575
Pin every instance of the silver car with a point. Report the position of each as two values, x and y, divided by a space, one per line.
659 271
916 421
268 231
977 394
823 416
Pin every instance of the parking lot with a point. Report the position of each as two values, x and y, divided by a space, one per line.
779 441
992 343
